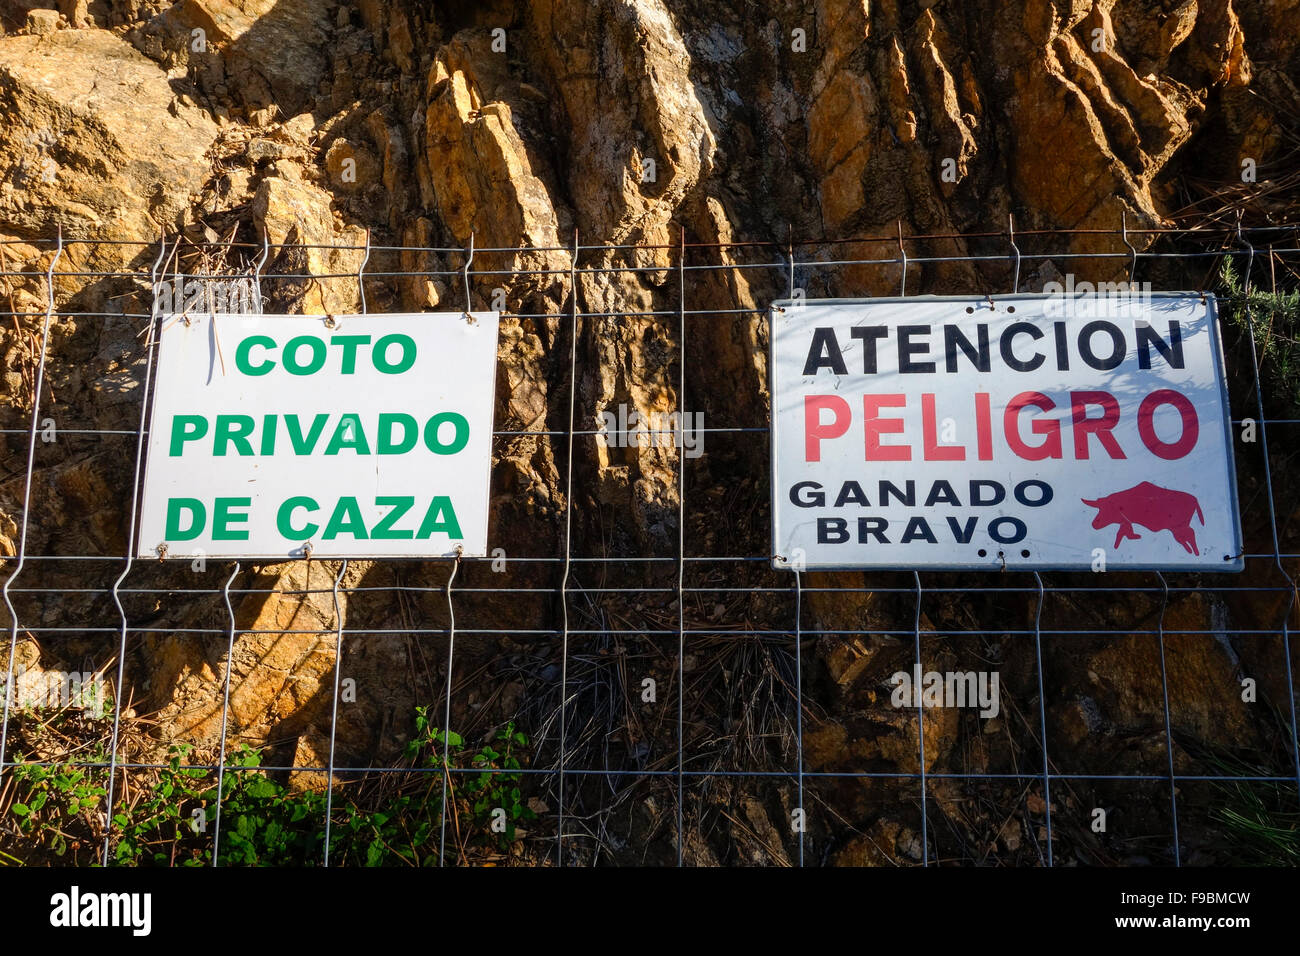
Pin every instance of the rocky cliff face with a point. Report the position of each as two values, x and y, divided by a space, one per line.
630 126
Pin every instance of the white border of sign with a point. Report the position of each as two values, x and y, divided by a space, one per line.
993 562
367 396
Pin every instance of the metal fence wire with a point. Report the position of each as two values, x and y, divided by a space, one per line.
678 700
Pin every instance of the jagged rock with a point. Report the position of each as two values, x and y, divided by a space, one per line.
94 139
40 22
481 170
633 166
281 670
76 12
1122 695
293 214
350 167
272 53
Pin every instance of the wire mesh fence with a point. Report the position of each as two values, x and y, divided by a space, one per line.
666 696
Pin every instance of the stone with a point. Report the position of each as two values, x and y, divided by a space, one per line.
481 170
295 215
272 51
41 22
352 168
94 139
76 12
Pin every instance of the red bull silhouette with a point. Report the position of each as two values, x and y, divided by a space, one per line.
1152 507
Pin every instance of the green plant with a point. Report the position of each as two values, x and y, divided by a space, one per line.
1275 319
494 789
58 804
1265 834
169 821
159 828
264 823
1258 816
51 806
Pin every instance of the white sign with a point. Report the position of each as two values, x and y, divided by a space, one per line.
277 436
1024 431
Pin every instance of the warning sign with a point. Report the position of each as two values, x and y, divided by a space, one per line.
275 436
1025 431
